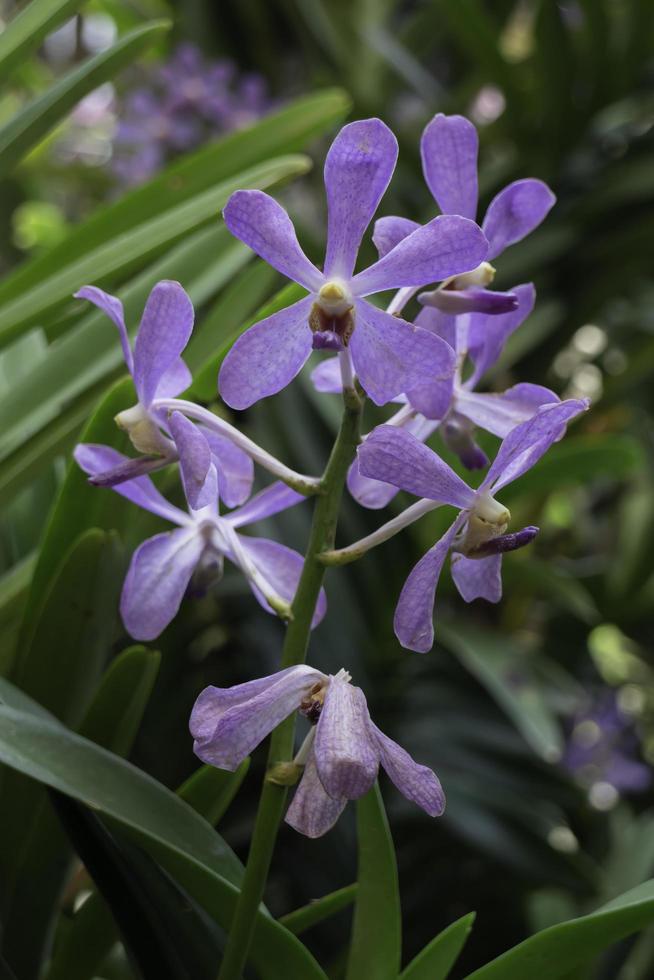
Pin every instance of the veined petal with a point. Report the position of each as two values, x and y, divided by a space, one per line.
175 380
326 376
267 356
442 324
392 356
281 567
373 494
358 168
194 460
415 782
413 622
95 459
499 413
313 812
263 224
447 246
227 723
449 148
395 456
234 467
515 212
156 581
525 444
113 307
434 399
164 332
390 231
271 500
477 578
488 333
347 757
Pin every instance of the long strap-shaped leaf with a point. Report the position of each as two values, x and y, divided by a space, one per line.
29 125
436 960
26 31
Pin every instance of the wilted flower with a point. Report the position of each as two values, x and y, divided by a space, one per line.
388 354
340 758
478 535
165 566
159 372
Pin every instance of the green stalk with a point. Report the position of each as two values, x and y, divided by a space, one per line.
273 796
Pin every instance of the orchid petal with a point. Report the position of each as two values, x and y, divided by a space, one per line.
358 168
263 224
273 499
515 212
396 456
235 468
413 621
326 376
194 459
164 332
313 812
447 246
267 356
442 324
175 380
160 570
390 231
499 413
228 723
281 567
488 333
415 782
347 757
95 459
477 578
432 400
373 494
474 299
113 308
449 148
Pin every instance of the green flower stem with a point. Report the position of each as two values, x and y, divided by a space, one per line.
273 796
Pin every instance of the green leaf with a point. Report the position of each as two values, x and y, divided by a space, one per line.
503 671
556 951
210 791
26 31
29 125
115 713
299 920
121 251
178 838
436 960
80 948
376 949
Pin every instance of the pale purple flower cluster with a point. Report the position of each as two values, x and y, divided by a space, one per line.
178 106
431 367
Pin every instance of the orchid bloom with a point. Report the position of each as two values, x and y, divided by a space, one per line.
477 538
388 354
340 758
449 148
165 566
158 371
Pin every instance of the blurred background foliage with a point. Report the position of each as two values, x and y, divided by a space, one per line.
537 714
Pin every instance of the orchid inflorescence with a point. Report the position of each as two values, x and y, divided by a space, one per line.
431 368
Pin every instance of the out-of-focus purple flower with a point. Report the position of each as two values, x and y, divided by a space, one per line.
478 535
388 354
158 371
340 757
449 148
191 558
603 747
183 103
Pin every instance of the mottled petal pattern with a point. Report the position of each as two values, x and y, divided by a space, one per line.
449 148
313 812
390 231
347 757
358 168
415 782
396 456
113 307
478 578
164 332
267 356
263 224
156 581
515 212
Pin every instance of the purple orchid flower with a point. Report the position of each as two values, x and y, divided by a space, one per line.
478 535
340 757
158 371
449 149
388 354
164 567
